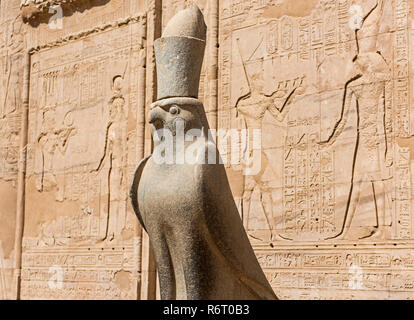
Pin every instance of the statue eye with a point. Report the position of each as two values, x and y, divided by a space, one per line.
174 110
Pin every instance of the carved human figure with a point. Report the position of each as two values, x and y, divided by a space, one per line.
12 70
251 108
368 88
114 153
47 140
51 138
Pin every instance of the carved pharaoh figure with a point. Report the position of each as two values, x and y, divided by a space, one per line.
251 109
368 86
201 248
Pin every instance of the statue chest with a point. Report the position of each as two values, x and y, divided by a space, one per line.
169 194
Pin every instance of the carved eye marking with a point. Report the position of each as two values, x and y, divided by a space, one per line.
174 110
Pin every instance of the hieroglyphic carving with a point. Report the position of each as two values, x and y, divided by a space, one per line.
82 179
79 124
401 67
11 53
80 272
402 123
403 194
308 182
12 33
387 273
332 168
307 41
9 128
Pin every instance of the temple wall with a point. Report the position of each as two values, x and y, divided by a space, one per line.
326 84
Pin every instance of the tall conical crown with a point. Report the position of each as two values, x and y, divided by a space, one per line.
179 54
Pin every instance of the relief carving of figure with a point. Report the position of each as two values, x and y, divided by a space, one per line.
52 138
11 92
114 153
251 109
368 88
9 139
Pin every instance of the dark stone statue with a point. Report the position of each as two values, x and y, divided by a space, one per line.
201 248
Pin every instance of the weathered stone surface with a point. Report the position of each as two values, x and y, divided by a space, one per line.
179 53
330 92
85 85
11 78
179 58
287 67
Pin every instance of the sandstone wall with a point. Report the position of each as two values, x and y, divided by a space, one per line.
327 83
11 76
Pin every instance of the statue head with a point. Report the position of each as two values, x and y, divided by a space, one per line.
174 112
179 57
